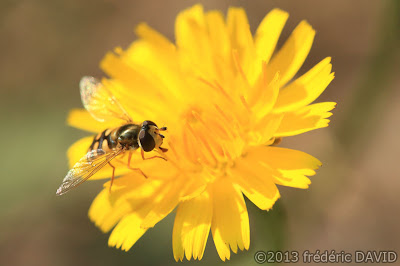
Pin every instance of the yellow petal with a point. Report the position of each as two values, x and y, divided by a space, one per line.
191 227
288 167
291 56
193 41
267 97
127 232
80 118
156 58
192 188
131 201
268 33
305 89
305 119
265 130
219 36
143 200
255 181
242 41
108 208
163 203
154 38
134 90
283 158
230 223
294 178
185 21
104 213
162 195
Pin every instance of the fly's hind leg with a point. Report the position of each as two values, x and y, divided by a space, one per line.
113 175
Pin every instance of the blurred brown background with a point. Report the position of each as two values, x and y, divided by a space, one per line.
47 46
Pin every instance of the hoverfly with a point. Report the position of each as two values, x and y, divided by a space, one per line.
110 143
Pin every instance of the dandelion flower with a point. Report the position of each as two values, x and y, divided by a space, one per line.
227 99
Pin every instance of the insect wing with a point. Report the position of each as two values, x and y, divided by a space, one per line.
100 102
87 166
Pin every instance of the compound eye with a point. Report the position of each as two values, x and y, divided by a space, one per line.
146 141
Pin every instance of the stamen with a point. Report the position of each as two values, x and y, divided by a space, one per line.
171 147
217 87
215 130
203 141
240 69
243 100
186 146
229 121
222 131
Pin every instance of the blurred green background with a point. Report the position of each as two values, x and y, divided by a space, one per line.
47 46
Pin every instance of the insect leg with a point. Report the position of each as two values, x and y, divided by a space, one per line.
136 169
112 178
163 149
277 141
152 157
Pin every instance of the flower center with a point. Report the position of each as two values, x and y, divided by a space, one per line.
211 140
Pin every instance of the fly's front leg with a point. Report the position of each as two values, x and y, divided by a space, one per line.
152 157
136 169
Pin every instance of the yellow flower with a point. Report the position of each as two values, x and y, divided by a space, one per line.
226 99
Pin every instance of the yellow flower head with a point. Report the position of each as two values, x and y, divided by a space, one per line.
226 99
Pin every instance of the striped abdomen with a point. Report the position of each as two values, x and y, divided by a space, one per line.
106 140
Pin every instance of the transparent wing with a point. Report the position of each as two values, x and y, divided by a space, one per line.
100 102
87 166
